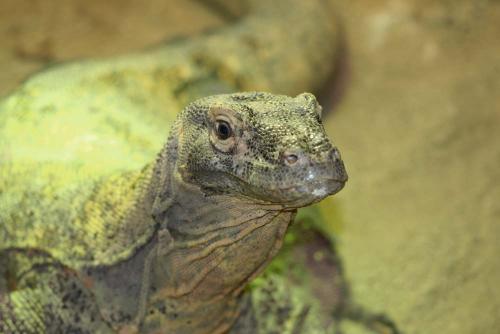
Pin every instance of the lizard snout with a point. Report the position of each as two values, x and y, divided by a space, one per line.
328 165
339 171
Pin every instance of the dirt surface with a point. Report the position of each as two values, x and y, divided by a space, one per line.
418 223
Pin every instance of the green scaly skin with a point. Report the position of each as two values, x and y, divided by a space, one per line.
85 242
204 220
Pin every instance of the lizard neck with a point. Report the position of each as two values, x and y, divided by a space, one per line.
218 244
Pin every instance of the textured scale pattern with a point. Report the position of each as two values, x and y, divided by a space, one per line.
258 158
223 230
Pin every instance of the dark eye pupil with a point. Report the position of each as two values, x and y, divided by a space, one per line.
223 130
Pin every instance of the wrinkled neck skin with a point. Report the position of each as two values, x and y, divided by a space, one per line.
214 247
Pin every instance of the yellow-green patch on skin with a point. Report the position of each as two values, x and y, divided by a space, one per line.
71 219
57 145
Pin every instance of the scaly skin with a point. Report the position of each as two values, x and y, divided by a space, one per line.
73 125
212 212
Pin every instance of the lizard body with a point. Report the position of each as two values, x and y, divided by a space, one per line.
218 202
107 119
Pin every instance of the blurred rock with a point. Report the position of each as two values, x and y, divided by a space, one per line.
35 33
419 128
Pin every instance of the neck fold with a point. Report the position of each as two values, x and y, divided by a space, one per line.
218 245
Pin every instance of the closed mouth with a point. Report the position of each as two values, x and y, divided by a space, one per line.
297 195
312 192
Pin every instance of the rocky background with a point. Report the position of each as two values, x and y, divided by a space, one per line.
419 127
416 113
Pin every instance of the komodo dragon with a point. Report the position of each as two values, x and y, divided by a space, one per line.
169 247
96 238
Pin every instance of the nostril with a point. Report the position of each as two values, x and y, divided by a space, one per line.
290 159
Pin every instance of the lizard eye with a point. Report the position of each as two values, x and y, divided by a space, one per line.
223 130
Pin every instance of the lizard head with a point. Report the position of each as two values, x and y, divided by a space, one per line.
264 147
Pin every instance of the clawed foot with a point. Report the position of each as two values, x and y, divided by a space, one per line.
359 317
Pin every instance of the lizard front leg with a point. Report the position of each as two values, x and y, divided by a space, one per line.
45 298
